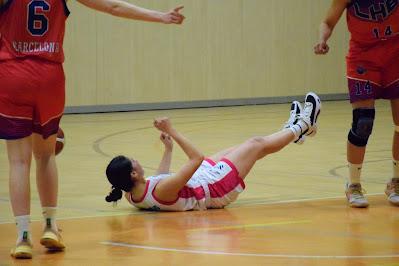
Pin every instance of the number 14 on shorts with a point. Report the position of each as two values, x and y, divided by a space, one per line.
364 88
384 33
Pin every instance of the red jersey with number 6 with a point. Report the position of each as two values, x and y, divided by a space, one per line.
370 21
33 28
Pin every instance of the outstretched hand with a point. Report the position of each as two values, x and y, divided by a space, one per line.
163 124
173 16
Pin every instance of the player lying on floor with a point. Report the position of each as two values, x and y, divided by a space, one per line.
204 183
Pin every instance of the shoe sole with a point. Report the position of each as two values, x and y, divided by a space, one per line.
317 108
354 205
396 203
51 244
23 253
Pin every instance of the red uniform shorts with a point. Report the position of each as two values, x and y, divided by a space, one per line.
32 97
373 70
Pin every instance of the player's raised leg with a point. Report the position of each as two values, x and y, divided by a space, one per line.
246 154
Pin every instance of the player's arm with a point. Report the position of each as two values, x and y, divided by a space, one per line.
126 10
327 26
164 165
168 189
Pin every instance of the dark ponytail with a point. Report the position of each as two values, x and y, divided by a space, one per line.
114 195
118 174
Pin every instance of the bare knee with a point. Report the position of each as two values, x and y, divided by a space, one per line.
260 144
256 141
43 157
20 162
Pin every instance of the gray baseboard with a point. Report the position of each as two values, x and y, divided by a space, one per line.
192 104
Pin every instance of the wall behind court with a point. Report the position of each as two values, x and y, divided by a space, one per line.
226 49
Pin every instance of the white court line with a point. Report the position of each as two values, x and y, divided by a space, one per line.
289 256
234 205
237 203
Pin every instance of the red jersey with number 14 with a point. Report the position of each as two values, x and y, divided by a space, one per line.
370 21
33 28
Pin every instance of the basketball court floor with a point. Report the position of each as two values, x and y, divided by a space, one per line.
293 211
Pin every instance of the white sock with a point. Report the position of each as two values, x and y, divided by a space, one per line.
395 169
23 228
49 217
299 128
355 171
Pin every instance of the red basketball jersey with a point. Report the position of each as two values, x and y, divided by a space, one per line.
33 28
370 21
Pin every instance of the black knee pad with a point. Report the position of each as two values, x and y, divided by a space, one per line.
362 126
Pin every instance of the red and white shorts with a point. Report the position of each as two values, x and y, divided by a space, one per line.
32 97
221 182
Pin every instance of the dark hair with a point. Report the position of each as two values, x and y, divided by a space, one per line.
118 174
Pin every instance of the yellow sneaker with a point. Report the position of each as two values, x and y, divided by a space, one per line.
52 240
23 250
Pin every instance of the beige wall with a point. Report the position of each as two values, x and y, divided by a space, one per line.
226 49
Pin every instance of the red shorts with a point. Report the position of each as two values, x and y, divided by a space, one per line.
32 97
373 71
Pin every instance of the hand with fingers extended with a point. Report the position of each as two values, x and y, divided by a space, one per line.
173 16
167 141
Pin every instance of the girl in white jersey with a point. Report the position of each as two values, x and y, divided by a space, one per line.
204 183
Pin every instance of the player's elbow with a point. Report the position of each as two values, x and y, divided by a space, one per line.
114 8
197 160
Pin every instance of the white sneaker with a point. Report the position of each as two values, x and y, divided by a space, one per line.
311 113
295 112
354 194
392 191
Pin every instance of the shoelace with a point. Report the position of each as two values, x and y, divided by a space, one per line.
306 110
357 192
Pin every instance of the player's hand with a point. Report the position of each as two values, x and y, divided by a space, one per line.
173 16
321 48
166 140
163 124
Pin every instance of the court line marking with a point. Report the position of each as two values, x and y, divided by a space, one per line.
209 252
244 226
234 205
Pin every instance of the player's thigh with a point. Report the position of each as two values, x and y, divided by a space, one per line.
364 78
19 150
52 90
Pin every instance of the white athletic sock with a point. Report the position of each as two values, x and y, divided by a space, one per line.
299 128
23 228
355 171
49 217
395 168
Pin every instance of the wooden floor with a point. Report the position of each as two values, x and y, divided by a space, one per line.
293 211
